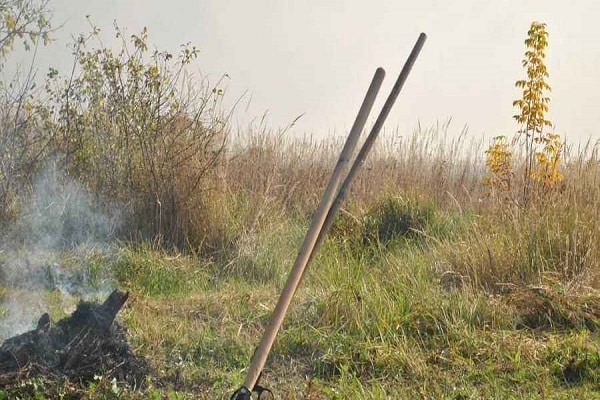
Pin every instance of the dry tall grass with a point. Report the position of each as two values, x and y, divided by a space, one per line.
294 171
269 178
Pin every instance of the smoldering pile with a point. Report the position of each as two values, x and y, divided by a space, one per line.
88 343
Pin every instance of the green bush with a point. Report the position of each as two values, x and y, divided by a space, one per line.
394 217
391 219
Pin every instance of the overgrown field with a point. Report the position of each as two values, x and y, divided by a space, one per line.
426 287
437 280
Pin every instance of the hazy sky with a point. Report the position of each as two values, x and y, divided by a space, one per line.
317 57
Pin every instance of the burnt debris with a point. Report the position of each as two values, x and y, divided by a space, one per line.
86 344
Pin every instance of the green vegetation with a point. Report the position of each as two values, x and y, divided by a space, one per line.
426 287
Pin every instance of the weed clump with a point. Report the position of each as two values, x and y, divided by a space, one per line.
541 307
391 219
394 218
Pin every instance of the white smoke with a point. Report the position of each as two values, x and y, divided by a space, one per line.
53 251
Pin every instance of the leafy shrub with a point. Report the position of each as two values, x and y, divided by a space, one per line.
136 128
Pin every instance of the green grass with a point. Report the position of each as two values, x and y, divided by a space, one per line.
404 300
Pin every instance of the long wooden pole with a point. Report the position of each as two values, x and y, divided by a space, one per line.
368 144
260 355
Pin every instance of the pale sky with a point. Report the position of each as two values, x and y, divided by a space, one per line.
317 57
